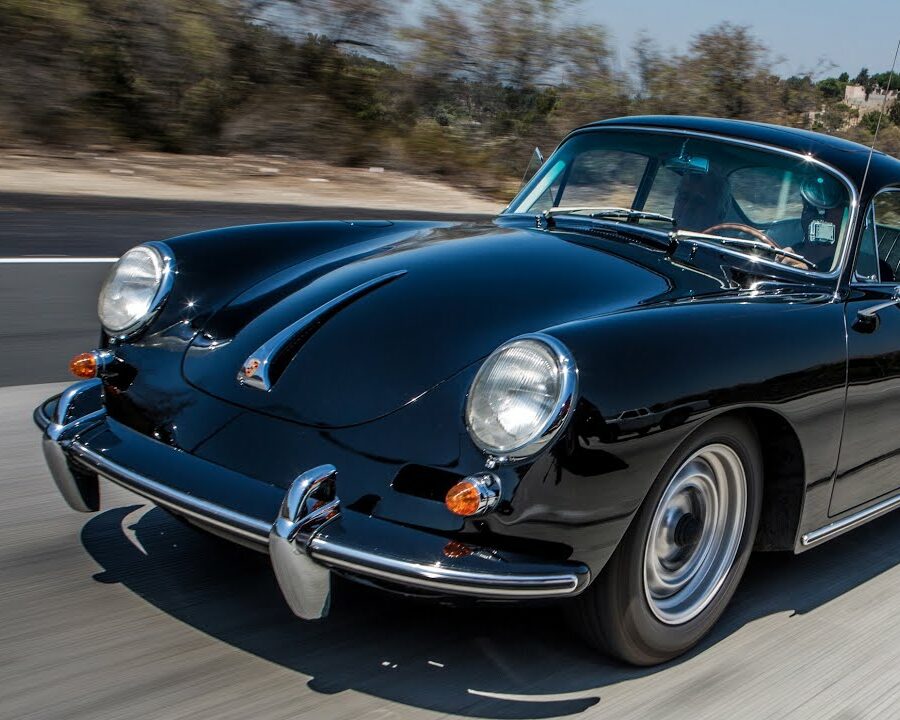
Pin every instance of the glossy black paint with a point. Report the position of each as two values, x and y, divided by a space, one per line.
664 340
461 296
870 451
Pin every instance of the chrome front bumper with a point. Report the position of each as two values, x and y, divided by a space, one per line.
309 536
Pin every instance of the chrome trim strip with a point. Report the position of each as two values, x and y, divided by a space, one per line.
435 577
407 573
363 563
854 192
259 533
854 520
255 370
247 527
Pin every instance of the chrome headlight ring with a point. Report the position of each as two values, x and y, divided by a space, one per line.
562 380
163 262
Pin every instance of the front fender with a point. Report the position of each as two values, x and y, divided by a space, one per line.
649 377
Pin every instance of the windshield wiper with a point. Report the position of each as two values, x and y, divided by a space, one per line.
743 242
609 212
604 220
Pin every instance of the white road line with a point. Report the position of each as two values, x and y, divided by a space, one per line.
45 260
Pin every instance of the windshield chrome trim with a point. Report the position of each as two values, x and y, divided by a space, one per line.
851 232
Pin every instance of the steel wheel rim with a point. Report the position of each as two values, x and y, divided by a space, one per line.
695 534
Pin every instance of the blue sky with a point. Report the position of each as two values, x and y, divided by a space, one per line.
849 33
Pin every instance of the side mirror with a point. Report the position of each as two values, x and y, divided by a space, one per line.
534 164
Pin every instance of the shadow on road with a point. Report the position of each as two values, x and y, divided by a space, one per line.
487 661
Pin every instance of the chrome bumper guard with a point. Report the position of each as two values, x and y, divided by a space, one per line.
303 542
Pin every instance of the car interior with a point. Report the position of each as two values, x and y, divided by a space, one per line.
702 184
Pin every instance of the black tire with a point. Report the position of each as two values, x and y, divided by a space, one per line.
614 613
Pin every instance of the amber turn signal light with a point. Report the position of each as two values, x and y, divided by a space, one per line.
463 498
84 366
473 496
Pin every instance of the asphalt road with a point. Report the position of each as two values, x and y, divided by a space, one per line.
92 226
129 614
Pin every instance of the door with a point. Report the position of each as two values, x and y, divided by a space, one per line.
869 465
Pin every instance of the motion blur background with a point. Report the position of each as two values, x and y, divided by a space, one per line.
123 121
454 90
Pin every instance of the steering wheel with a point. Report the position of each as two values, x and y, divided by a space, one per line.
758 234
748 229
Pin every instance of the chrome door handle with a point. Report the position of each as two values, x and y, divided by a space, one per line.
873 310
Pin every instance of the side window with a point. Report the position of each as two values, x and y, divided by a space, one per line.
867 259
879 250
604 177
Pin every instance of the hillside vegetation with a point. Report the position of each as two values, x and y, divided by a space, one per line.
468 87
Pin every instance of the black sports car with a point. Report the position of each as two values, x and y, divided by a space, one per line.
677 344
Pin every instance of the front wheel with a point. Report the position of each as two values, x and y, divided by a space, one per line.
681 559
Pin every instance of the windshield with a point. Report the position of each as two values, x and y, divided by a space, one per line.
749 199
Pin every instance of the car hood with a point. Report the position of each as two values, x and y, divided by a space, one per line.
396 313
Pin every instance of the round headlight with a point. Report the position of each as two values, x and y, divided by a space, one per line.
521 396
133 290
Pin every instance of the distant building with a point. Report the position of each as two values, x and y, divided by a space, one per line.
855 97
832 117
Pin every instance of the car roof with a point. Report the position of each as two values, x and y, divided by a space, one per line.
849 157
